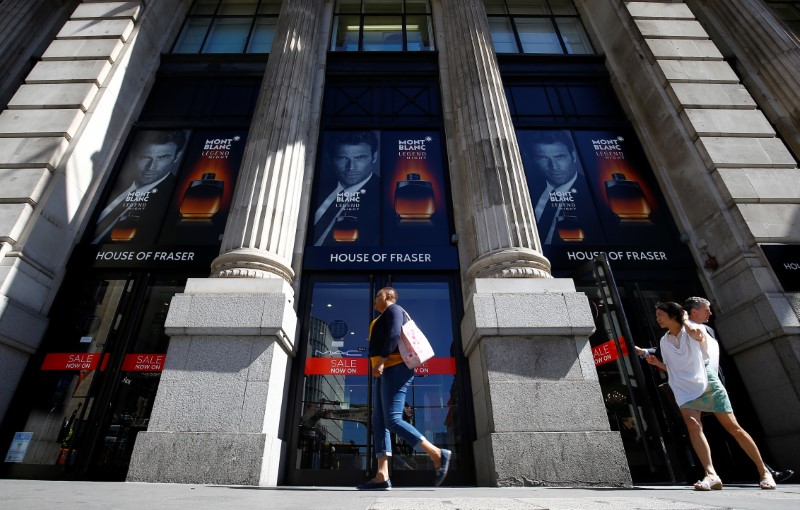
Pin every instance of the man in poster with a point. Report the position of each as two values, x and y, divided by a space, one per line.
559 192
143 189
348 212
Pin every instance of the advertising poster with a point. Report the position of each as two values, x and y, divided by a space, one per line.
623 189
347 208
143 189
414 207
592 192
203 194
561 196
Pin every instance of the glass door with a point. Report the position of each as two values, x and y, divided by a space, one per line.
331 441
91 389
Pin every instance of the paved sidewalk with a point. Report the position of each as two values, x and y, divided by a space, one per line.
46 495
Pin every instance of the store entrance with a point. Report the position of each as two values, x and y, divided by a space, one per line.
331 430
638 404
90 391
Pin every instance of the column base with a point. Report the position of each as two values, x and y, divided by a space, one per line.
552 459
205 458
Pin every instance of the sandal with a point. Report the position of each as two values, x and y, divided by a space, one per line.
767 482
710 482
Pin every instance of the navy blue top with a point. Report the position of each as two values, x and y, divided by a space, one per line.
385 333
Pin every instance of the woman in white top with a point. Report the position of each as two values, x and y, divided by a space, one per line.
697 389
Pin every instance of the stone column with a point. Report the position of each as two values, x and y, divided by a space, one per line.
218 412
525 333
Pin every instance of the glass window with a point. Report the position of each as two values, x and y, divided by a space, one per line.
574 37
229 26
537 35
531 26
227 36
503 35
192 36
383 33
382 25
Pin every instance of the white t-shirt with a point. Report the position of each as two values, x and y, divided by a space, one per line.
685 366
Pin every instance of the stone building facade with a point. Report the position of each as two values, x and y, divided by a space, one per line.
704 92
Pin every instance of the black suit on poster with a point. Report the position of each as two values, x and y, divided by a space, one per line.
367 213
577 202
150 213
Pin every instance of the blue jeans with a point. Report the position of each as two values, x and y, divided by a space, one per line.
388 398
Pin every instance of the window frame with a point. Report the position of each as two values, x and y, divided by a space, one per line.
510 20
255 19
363 13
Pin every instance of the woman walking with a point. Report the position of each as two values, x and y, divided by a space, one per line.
697 389
391 381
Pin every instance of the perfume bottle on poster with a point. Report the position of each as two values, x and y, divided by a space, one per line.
569 229
345 230
125 229
413 199
202 199
627 199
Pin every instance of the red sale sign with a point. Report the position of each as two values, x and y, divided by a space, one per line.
143 362
73 361
607 351
360 366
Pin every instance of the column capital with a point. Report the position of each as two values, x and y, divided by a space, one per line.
250 263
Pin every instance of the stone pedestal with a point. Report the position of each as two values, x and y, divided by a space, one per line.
539 414
218 412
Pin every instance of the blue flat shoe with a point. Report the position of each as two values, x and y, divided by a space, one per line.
441 473
375 486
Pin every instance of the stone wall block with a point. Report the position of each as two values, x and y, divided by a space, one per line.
32 152
733 123
513 359
721 152
772 222
25 285
671 29
56 122
96 29
13 218
66 95
84 49
23 184
107 10
512 406
208 458
56 71
710 95
693 49
776 185
675 11
23 330
697 71
558 459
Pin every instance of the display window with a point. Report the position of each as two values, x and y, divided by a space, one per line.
331 437
168 204
90 390
381 200
593 193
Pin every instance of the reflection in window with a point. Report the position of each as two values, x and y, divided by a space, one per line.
789 12
550 27
382 25
229 26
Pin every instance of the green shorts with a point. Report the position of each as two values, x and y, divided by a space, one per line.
714 400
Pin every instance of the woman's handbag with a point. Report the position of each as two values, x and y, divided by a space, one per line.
415 349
